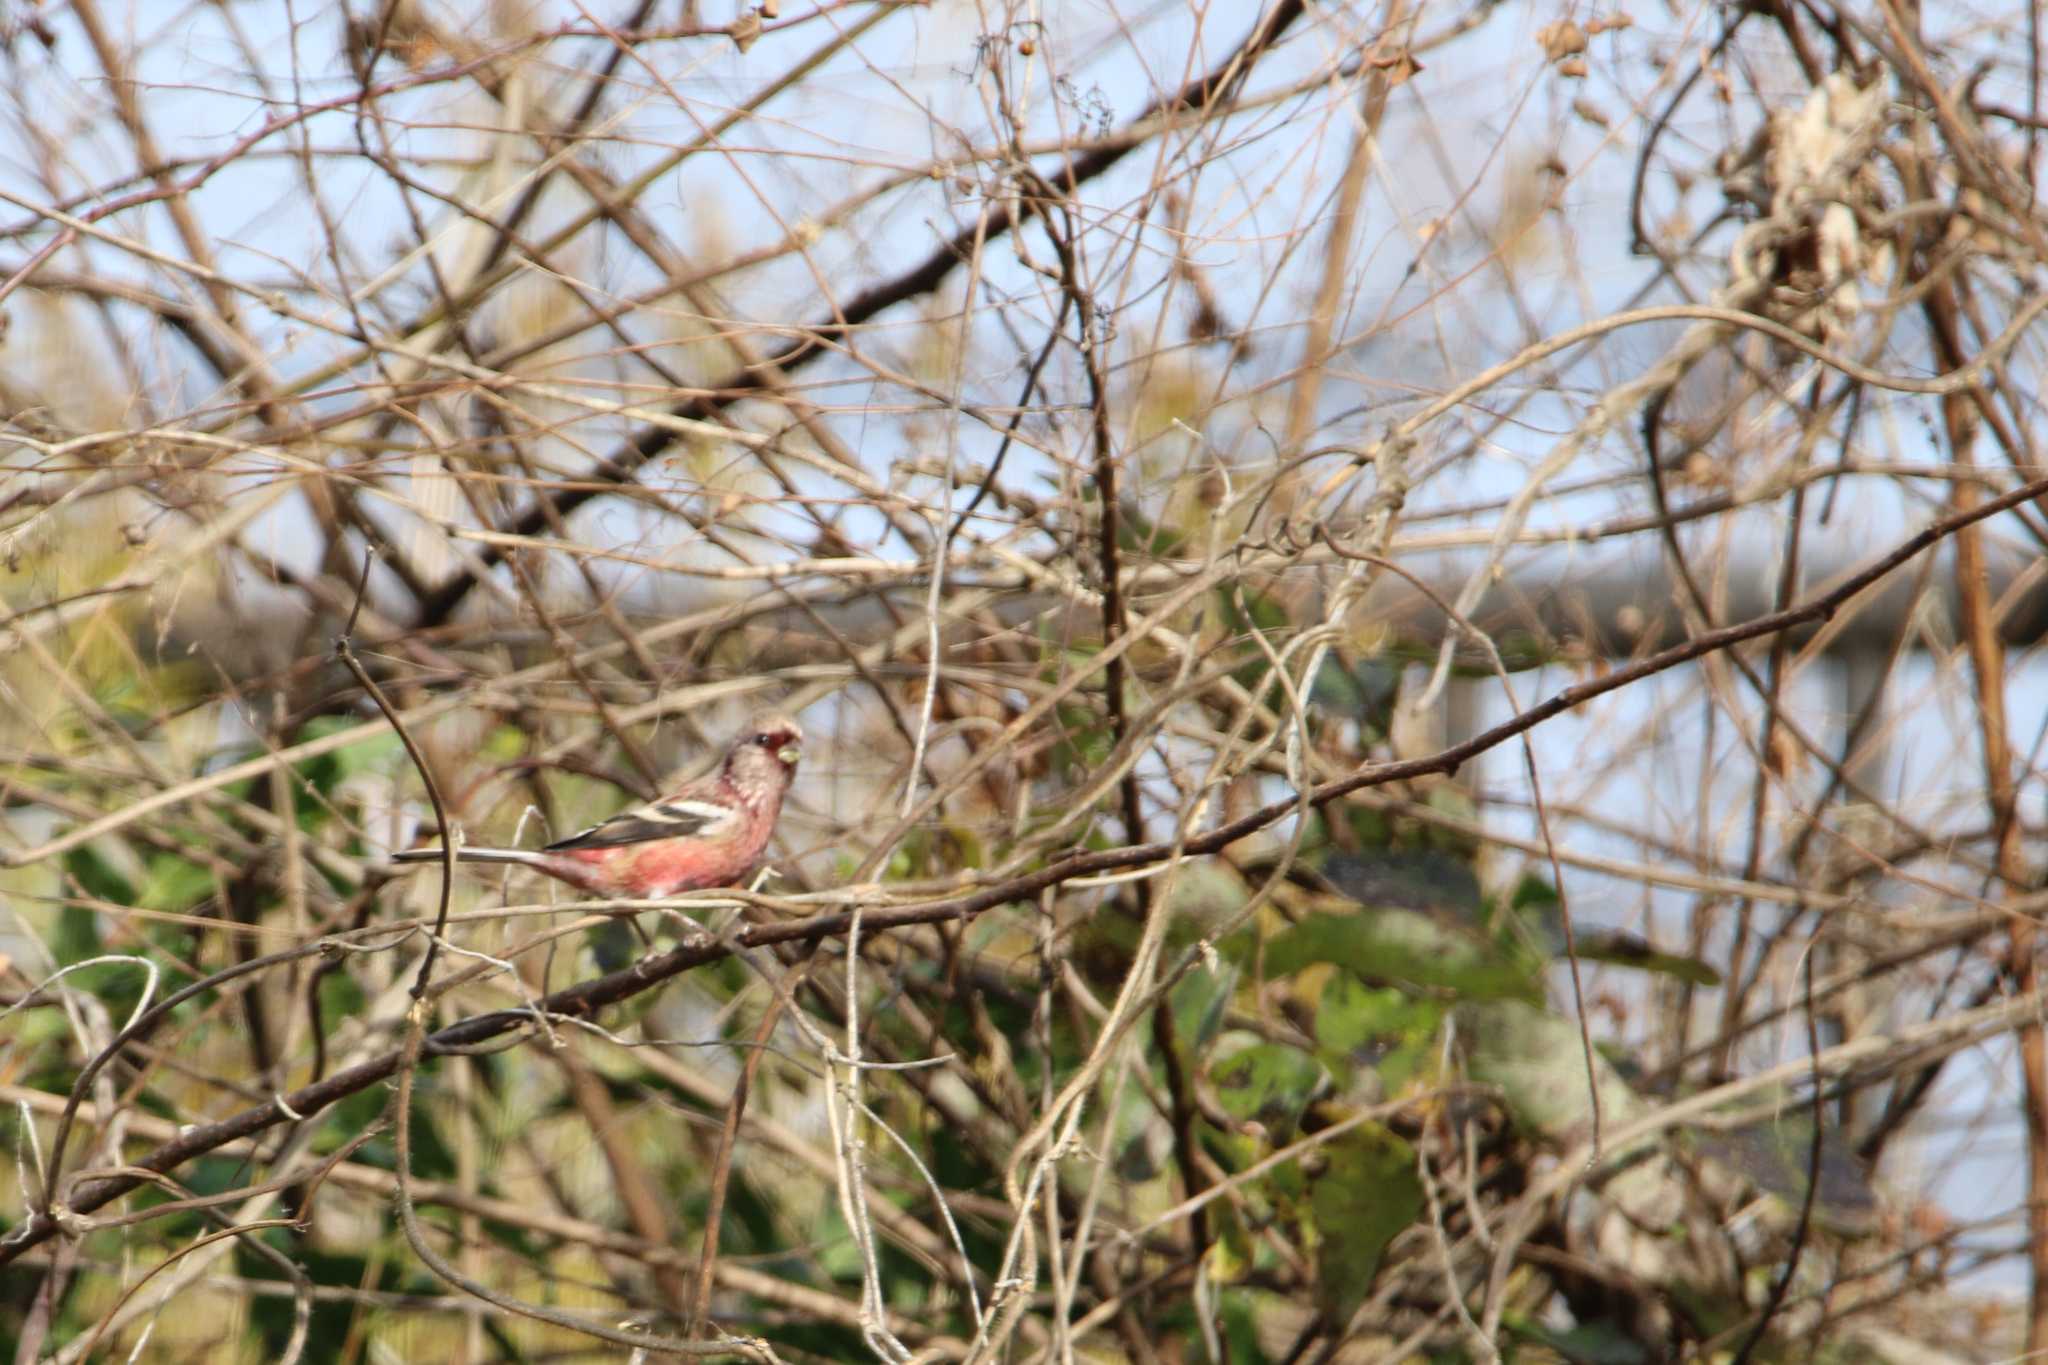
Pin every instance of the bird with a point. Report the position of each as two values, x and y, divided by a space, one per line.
710 832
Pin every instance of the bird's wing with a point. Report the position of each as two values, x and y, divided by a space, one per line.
671 818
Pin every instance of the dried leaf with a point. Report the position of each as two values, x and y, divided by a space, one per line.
745 29
1702 470
1785 756
1561 39
1399 64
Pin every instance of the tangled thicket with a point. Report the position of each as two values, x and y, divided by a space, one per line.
1416 626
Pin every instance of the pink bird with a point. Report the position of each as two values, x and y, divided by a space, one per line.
710 832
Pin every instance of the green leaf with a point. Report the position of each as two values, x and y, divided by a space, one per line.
77 937
1256 613
97 878
1350 1015
1206 894
174 883
613 944
1137 532
1533 892
1135 1164
1366 1192
1626 950
1777 1156
1401 945
1199 1002
1241 1317
1388 1030
324 774
340 996
1085 740
1533 913
1267 1082
1369 827
837 1254
1363 691
1258 609
1232 1253
374 748
1408 879
1538 1060
1337 691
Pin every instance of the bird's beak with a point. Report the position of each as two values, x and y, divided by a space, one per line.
790 753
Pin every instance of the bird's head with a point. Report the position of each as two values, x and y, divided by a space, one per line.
764 757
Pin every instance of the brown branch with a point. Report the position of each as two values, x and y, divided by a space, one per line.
638 1193
585 999
699 1301
1987 662
1203 95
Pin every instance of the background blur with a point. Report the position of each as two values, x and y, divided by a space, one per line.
1105 426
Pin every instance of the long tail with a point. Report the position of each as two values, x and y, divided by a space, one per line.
468 855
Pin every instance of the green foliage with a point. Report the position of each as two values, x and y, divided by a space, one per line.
1200 1003
614 944
1588 1343
1627 950
1085 739
77 935
1386 1029
1366 1192
174 883
341 1121
1777 1156
1240 1313
378 752
271 1314
610 512
1269 1082
1434 879
1536 905
1364 691
206 1176
1397 946
1245 612
1139 533
30 1030
97 878
1372 974
1538 1061
933 851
